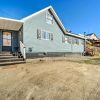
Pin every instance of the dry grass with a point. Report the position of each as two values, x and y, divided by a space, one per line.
51 80
93 61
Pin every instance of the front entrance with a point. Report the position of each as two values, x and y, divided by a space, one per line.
7 41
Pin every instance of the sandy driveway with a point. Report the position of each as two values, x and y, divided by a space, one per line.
50 80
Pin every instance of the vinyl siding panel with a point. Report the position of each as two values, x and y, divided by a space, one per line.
0 41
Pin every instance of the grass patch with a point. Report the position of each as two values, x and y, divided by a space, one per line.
93 61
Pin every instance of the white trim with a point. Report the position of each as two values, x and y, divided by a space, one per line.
2 18
32 15
42 30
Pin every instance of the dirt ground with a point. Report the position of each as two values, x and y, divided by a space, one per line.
60 79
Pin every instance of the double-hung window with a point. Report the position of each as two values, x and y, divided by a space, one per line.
75 41
66 39
44 35
49 18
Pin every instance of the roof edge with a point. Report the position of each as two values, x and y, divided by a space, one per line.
76 35
40 11
3 18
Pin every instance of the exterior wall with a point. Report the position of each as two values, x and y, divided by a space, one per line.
78 47
0 41
30 37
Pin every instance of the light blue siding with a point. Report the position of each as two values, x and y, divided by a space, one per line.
78 47
30 37
0 41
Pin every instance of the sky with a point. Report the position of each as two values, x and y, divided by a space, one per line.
79 16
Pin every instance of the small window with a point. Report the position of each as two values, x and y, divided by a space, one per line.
49 18
67 39
75 41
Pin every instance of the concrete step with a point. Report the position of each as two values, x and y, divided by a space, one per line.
8 57
5 54
11 59
11 63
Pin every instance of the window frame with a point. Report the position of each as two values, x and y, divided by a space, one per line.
46 35
67 39
75 40
50 18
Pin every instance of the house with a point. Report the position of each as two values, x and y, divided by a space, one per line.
93 39
92 46
42 34
92 36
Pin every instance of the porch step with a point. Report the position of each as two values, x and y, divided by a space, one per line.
5 54
6 57
11 63
9 59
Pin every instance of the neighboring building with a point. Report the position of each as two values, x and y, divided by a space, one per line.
42 33
93 39
96 43
92 36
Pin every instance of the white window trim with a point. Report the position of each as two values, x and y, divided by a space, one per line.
67 41
42 30
74 42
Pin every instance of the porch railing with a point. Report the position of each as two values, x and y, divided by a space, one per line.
22 50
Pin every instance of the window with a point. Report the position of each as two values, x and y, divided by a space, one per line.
38 34
67 39
82 42
75 41
47 35
44 35
49 18
63 39
6 38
